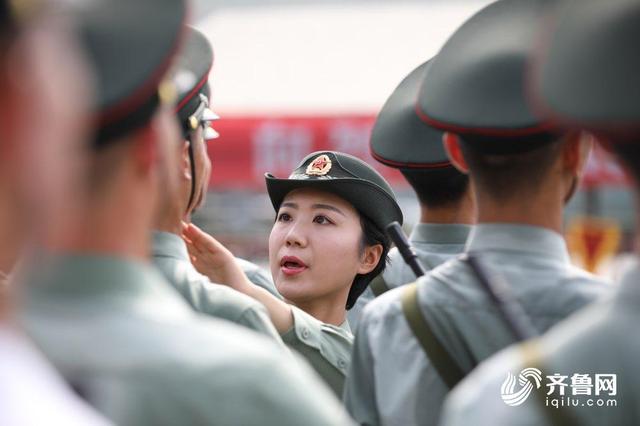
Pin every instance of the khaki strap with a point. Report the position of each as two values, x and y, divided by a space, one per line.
378 286
445 365
532 357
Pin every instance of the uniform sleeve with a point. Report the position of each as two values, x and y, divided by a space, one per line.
257 319
359 391
219 301
259 276
325 347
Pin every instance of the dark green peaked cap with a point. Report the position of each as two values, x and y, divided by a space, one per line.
130 45
346 176
589 74
400 138
190 76
476 84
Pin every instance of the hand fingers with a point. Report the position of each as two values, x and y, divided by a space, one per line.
203 241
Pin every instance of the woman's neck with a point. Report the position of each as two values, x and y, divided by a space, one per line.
330 309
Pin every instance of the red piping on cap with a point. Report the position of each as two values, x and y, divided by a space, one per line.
143 93
483 131
400 165
615 132
195 90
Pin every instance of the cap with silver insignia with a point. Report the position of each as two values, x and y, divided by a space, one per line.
190 76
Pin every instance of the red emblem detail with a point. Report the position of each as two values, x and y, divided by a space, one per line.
320 166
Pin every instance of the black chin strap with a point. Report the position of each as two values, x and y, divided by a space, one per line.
193 174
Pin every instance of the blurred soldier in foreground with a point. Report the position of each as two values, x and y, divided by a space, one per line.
588 77
190 76
522 174
107 319
42 77
447 209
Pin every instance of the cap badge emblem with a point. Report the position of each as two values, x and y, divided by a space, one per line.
320 166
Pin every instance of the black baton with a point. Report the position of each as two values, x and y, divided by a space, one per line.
406 251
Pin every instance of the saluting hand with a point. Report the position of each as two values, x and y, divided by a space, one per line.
216 262
213 259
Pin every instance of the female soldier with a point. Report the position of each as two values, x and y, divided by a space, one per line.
326 245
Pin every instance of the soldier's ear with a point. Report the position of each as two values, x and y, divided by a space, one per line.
452 147
576 152
185 162
370 258
145 148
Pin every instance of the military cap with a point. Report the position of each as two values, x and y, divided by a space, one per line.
343 175
190 77
400 139
589 72
130 45
475 86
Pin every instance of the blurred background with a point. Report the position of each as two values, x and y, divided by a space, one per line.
294 76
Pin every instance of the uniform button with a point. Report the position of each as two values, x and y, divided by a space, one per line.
305 333
342 363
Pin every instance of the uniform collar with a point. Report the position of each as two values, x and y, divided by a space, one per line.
534 240
432 233
345 326
168 244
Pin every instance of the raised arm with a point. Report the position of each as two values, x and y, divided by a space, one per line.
214 260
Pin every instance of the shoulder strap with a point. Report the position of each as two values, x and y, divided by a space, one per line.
378 285
445 365
532 357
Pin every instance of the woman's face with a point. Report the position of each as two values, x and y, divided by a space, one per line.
315 247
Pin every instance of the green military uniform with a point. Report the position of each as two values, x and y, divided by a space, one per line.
402 141
121 335
118 332
596 341
327 347
401 386
258 276
170 256
434 244
587 75
474 88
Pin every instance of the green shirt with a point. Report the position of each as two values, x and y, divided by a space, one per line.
170 256
434 244
258 276
392 381
139 353
325 346
599 340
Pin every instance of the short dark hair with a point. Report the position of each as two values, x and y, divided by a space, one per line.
438 187
371 235
503 176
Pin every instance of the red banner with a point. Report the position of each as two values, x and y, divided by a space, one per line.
251 146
